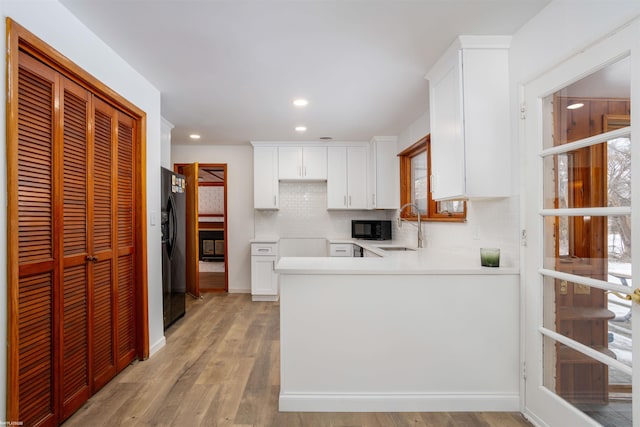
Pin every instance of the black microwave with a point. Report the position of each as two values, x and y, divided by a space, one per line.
371 229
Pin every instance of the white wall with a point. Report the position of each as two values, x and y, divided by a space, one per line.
240 227
51 22
559 31
415 131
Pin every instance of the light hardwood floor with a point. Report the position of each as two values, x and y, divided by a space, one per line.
220 367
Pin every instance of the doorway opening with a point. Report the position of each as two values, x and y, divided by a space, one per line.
207 246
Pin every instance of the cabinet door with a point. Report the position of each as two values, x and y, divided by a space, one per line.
264 280
447 136
290 163
385 177
357 173
337 178
265 178
314 163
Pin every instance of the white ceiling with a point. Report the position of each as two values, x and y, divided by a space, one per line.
229 69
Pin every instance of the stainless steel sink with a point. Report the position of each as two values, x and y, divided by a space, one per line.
396 248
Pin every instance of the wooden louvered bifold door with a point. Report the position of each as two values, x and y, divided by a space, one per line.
75 387
104 211
37 294
126 321
72 318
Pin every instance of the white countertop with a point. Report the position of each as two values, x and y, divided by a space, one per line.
419 261
272 239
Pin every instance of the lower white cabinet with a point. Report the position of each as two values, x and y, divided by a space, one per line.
341 250
264 279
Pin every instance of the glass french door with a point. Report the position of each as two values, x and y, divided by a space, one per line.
578 282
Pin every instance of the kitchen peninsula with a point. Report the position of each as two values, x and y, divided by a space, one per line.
420 330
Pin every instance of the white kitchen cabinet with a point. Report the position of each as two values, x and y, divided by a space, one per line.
347 177
265 178
302 163
385 173
264 279
341 250
469 115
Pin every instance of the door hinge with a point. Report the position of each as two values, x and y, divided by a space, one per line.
523 237
524 371
523 111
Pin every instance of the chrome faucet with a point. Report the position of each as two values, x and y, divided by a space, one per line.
420 240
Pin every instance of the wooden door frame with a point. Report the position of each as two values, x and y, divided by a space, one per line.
18 38
223 166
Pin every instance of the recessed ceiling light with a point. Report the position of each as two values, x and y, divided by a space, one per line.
301 128
575 106
194 136
300 102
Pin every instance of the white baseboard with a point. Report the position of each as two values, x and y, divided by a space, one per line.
157 346
239 291
399 402
264 298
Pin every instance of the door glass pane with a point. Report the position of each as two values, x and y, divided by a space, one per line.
591 106
591 246
598 390
419 181
598 247
591 177
590 316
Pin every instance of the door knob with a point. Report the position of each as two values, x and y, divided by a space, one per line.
91 258
635 296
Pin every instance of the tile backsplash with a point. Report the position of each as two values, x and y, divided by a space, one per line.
303 213
490 223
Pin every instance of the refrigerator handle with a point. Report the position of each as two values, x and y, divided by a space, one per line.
173 221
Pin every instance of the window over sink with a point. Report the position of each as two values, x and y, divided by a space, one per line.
415 187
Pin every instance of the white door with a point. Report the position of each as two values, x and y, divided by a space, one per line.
577 199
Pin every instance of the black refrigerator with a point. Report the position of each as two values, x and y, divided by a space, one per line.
174 273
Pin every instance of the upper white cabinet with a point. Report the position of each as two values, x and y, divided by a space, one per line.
385 173
469 112
347 177
265 178
302 163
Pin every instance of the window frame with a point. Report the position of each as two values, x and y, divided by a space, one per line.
423 145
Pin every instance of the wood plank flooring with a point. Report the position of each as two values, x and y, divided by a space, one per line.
220 367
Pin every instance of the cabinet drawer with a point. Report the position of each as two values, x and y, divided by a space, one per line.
341 249
264 249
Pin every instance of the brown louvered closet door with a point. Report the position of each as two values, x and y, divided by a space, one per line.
75 387
126 326
75 318
104 366
37 296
